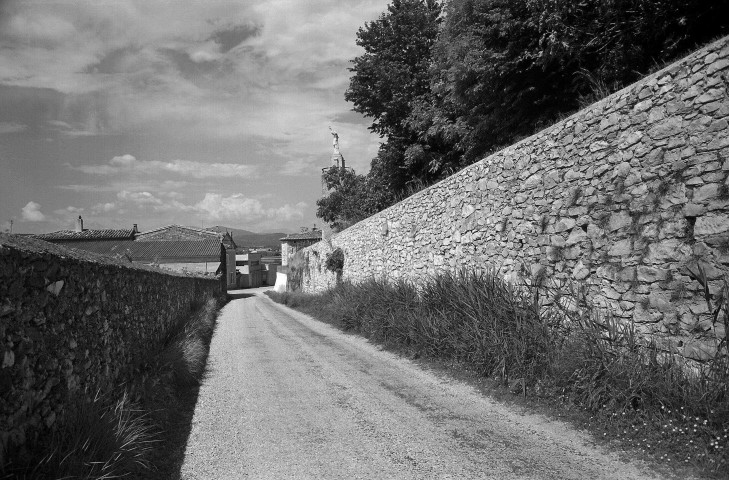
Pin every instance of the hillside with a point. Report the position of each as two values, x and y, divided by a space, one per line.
245 238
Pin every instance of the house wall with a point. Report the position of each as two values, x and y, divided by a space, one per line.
627 197
74 323
230 268
191 267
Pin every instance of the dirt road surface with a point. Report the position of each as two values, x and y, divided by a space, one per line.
290 397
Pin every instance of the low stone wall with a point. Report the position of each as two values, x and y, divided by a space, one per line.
629 197
75 323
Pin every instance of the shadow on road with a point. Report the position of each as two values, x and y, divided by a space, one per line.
238 294
176 421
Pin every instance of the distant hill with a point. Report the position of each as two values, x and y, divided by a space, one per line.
245 238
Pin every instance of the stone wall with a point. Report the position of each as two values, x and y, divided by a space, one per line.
628 197
75 323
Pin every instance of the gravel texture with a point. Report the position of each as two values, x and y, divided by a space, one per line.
290 397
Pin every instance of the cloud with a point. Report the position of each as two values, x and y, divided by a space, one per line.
136 185
130 165
214 206
139 198
68 210
231 37
31 213
103 208
237 207
12 127
303 167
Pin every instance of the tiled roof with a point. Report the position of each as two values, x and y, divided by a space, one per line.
108 234
310 235
164 250
200 231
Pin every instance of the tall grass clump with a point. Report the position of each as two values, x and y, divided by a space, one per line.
98 439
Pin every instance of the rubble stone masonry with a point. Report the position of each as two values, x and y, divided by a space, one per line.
75 323
628 197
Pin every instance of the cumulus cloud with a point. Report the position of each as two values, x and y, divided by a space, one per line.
238 207
12 127
128 164
31 212
103 208
70 210
214 206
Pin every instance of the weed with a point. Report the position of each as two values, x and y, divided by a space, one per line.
603 220
662 189
98 439
574 196
503 224
543 221
723 192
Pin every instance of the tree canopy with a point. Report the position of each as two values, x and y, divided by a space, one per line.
446 83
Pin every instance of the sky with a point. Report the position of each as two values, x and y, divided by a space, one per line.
191 112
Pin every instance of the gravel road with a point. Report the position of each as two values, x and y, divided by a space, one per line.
290 397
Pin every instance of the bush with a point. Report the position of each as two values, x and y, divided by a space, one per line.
335 261
98 439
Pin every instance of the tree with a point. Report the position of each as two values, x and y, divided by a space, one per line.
351 198
388 80
393 71
503 69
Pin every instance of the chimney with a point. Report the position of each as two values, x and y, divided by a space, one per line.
80 224
135 229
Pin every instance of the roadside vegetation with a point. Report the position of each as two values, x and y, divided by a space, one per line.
134 431
570 359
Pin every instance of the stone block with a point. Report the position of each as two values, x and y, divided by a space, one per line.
619 220
627 274
581 271
576 236
712 224
651 274
621 248
607 272
564 224
693 210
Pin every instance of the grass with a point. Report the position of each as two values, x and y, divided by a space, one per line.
130 431
564 355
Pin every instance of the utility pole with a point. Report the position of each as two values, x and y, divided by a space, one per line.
11 225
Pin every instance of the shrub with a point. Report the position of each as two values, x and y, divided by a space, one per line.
335 261
97 439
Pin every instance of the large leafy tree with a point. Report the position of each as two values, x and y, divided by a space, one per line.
443 91
505 68
351 198
389 79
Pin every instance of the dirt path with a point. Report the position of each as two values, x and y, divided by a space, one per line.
290 397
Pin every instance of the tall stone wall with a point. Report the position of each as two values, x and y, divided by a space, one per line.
75 323
628 197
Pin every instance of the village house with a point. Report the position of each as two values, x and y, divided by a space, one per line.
292 243
174 247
